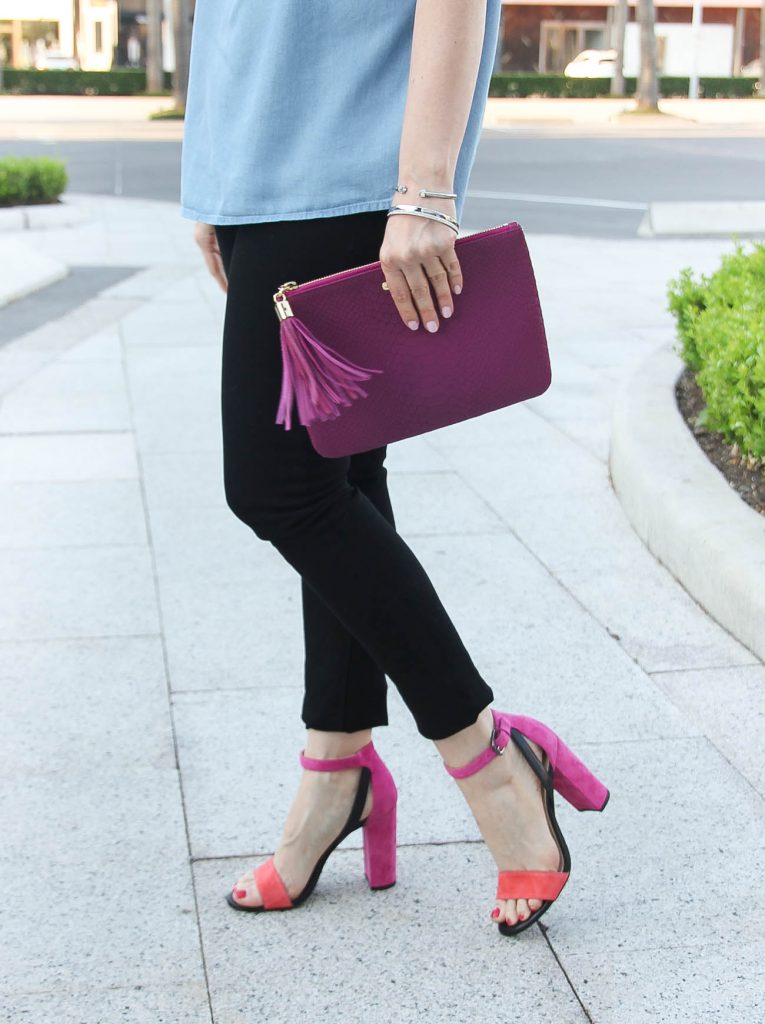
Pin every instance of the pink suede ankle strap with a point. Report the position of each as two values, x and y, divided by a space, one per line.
337 764
500 737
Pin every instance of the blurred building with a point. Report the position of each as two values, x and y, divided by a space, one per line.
58 33
539 36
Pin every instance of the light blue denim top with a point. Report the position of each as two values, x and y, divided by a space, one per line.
295 108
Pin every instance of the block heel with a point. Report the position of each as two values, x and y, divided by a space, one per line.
379 833
380 849
570 776
559 769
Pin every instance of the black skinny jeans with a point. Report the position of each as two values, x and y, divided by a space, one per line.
369 608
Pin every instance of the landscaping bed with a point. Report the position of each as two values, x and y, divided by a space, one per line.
743 473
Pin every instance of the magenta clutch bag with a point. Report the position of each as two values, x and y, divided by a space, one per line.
360 378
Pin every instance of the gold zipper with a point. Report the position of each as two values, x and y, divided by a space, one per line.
283 308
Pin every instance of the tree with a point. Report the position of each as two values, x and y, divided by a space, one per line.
154 75
648 83
181 10
76 23
620 21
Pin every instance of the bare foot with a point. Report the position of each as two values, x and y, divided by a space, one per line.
507 802
318 814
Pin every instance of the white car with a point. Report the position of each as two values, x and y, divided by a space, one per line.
592 64
54 61
753 69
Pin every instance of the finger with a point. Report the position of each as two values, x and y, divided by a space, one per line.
454 271
402 297
215 266
439 281
423 300
219 271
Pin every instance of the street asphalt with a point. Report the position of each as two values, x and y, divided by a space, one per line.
582 185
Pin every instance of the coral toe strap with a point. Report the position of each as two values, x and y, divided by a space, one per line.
530 885
271 888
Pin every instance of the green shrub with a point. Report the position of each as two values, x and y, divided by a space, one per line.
721 328
531 83
31 180
118 82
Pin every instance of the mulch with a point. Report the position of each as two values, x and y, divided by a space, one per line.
745 475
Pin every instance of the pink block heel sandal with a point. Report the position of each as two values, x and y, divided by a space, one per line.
379 832
559 769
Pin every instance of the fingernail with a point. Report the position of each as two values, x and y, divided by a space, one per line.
413 324
445 311
432 325
240 893
495 912
457 289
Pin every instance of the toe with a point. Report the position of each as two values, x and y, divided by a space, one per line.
534 905
522 908
511 912
245 891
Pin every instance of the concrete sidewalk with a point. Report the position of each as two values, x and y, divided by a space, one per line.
151 667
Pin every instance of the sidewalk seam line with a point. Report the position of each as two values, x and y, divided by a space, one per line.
558 961
166 664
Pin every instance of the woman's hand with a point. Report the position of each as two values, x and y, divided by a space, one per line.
418 253
207 240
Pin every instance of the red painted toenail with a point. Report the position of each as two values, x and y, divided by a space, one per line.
495 912
522 917
240 893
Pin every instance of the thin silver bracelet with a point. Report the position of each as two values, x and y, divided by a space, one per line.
426 193
429 212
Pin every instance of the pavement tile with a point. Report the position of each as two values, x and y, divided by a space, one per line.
65 701
669 863
184 1003
724 983
231 635
175 396
72 512
588 544
80 396
184 481
49 458
96 879
78 591
103 344
171 323
357 955
728 705
91 798
439 503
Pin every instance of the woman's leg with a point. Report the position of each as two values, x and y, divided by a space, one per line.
304 504
345 689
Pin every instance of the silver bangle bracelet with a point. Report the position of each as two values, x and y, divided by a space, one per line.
426 211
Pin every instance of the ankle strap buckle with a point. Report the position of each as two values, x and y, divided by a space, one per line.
499 751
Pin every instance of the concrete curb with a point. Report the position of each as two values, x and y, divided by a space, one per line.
682 507
42 217
704 218
24 270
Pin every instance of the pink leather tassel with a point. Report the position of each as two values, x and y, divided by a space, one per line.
314 376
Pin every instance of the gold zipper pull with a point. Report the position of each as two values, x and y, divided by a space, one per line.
283 308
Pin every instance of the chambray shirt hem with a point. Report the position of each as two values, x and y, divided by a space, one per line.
223 219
